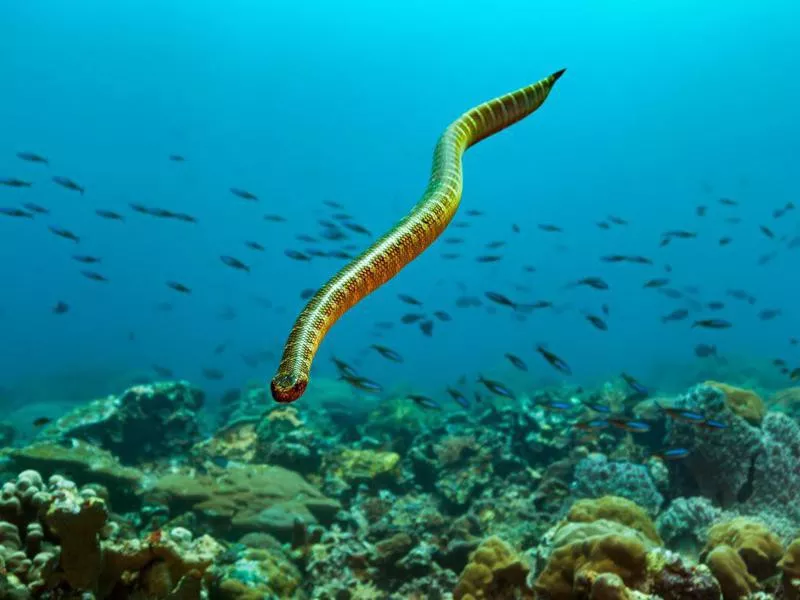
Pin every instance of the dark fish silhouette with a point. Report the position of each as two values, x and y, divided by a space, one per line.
234 263
68 184
64 233
32 157
244 194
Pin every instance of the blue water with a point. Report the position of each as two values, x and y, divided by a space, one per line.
665 105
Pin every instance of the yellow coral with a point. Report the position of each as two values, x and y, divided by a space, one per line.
731 572
759 548
614 508
367 464
572 569
494 571
745 403
790 565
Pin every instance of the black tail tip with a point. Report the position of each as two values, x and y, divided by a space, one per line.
557 75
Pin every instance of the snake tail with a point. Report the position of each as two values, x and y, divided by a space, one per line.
406 240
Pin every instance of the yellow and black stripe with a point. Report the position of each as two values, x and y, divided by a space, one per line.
406 240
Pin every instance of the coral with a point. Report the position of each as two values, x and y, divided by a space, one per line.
81 462
597 476
759 548
247 498
255 574
614 508
684 523
743 403
367 466
146 422
790 565
453 448
494 570
571 568
719 460
731 573
282 440
68 547
236 442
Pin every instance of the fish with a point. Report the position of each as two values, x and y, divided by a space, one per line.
724 241
387 353
343 367
15 212
426 327
516 361
274 218
496 387
629 424
95 276
86 259
179 287
500 299
32 157
220 348
409 299
728 202
741 295
332 204
712 324
64 233
713 424
424 401
244 194
212 373
769 314
234 263
109 215
304 237
474 212
15 183
715 305
362 383
671 454
442 315
307 293
634 384
617 220
603 225
656 283
700 211
176 158
767 231
597 407
68 184
254 245
458 397
795 374
680 234
679 314
547 402
296 255
550 228
495 245
42 421
36 209
592 425
357 228
60 308
597 322
554 361
593 282
489 258
682 414
705 350
409 318
162 371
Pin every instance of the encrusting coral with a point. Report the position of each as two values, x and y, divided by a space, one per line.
614 508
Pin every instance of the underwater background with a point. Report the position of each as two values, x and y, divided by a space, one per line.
177 178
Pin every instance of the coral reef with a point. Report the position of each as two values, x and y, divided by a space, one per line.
597 476
146 422
245 499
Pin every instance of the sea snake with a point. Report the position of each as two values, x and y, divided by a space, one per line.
406 240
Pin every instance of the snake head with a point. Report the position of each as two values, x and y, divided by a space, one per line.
288 388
